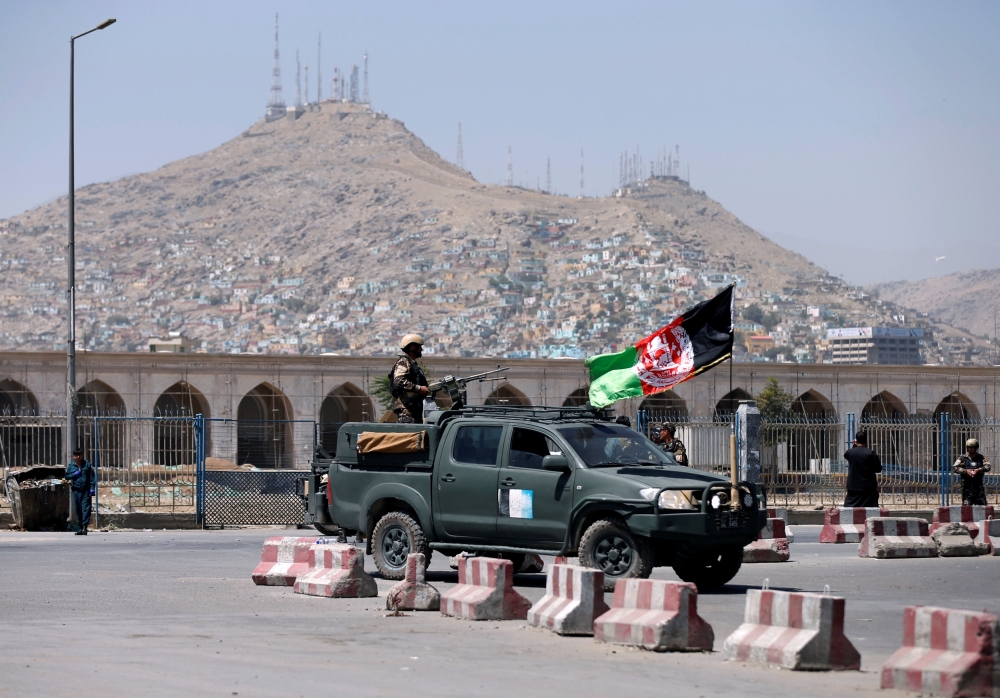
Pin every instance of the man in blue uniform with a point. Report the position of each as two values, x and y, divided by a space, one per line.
82 478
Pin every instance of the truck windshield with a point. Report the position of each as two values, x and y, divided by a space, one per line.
612 445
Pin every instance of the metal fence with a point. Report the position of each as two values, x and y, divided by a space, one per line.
802 460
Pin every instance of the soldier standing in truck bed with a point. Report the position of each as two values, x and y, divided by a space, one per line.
407 382
973 468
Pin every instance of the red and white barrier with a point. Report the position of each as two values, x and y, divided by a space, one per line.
989 536
892 538
414 593
282 560
781 513
574 597
655 615
847 525
336 570
970 516
946 652
771 544
485 591
793 631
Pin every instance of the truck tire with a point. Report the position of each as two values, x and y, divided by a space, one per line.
327 529
396 535
708 569
609 546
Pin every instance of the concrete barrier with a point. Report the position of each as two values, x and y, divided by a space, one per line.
989 536
946 652
781 513
847 525
771 544
414 593
336 570
954 540
282 560
574 597
892 538
655 615
793 631
968 515
485 591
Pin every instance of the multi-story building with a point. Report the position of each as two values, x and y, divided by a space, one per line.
875 345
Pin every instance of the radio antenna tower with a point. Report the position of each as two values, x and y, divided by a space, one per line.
364 97
276 103
581 172
298 80
548 175
510 168
319 70
354 84
459 155
307 82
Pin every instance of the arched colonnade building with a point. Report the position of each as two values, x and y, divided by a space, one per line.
254 391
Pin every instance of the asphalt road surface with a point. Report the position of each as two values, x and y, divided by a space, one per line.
169 613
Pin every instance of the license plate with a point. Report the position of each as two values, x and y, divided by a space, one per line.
730 519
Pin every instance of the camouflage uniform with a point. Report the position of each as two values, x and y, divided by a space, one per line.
406 381
676 447
973 491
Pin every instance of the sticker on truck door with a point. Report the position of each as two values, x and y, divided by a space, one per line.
517 504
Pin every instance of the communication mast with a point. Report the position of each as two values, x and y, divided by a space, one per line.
364 97
510 168
459 155
276 103
354 84
548 175
298 80
581 172
319 69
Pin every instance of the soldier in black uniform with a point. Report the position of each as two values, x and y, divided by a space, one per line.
972 467
408 383
671 444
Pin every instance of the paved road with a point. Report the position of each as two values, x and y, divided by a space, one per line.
175 613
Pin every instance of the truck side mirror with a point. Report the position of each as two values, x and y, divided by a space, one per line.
558 463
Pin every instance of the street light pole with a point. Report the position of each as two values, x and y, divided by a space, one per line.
71 263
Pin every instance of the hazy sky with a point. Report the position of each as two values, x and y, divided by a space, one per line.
866 135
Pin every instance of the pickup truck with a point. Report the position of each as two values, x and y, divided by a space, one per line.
509 481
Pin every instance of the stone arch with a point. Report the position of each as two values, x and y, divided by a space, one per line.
958 406
345 403
16 399
730 402
578 398
97 398
812 404
174 439
507 395
263 429
883 406
667 406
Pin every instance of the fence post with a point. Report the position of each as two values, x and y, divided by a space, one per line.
97 477
748 442
199 480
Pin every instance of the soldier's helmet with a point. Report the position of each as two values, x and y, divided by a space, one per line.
668 428
411 339
972 443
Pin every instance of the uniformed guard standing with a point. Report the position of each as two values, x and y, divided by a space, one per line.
407 382
973 468
671 444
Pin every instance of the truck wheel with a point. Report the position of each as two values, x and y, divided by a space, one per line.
708 569
397 535
327 529
608 545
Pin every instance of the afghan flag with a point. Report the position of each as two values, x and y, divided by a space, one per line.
689 345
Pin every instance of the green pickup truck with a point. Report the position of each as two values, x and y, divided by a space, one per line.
508 481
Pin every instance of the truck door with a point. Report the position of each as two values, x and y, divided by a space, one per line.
535 504
467 473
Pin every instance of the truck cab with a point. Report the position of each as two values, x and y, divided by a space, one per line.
509 481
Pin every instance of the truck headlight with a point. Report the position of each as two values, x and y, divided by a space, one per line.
669 499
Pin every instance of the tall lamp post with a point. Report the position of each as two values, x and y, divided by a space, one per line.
71 264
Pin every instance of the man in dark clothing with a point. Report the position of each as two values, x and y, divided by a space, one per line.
83 480
972 467
671 444
863 465
408 382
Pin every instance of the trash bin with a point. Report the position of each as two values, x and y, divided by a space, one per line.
39 497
